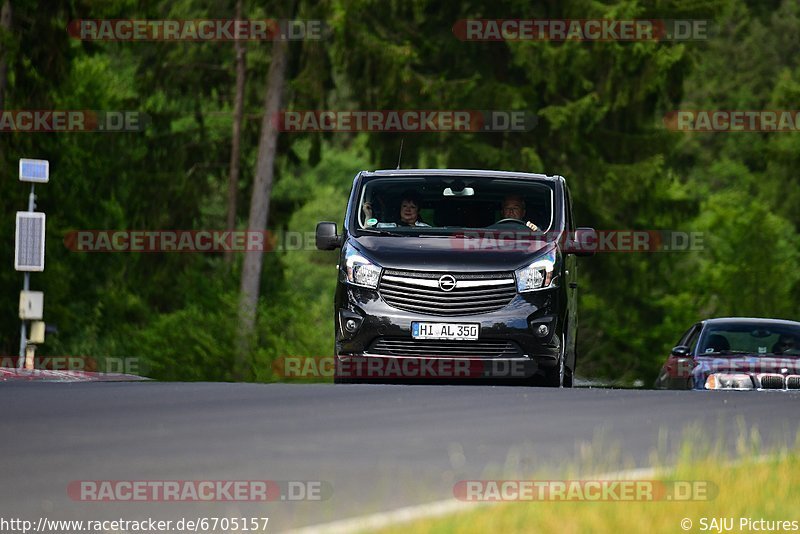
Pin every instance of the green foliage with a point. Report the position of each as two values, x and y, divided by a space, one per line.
299 321
599 108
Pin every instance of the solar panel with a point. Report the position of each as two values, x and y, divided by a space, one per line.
34 170
29 245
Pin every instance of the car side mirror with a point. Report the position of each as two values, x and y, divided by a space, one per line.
583 243
327 238
681 351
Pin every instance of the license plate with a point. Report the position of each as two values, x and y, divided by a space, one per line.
455 331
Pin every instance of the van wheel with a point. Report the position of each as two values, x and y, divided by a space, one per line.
571 371
560 376
339 379
567 378
346 377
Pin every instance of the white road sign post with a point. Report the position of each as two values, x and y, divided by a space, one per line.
29 249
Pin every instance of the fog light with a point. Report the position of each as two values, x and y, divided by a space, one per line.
542 330
349 323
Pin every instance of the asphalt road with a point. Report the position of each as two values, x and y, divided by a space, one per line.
376 447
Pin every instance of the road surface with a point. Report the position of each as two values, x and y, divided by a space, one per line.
375 447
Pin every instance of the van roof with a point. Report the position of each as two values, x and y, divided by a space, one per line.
462 172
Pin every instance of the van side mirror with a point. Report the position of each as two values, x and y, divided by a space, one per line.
583 243
681 351
327 238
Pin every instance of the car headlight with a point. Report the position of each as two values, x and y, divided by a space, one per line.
359 270
728 381
538 275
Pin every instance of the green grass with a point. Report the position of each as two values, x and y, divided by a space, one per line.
745 486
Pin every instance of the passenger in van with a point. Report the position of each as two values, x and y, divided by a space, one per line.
409 210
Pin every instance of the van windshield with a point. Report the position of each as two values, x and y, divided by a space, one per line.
447 205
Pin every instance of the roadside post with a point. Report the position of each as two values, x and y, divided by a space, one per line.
28 258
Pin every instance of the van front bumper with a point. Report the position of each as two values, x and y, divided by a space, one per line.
373 338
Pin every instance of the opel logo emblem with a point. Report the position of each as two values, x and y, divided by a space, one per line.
447 283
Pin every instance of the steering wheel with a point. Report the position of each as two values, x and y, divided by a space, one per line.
511 219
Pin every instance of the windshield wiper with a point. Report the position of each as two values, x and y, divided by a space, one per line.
382 232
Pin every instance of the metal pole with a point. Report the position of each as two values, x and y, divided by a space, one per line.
23 336
26 285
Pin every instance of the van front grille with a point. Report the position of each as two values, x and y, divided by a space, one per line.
473 293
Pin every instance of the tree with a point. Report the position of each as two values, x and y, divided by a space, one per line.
5 29
259 203
236 136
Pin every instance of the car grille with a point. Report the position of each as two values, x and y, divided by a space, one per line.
793 382
474 293
769 381
445 349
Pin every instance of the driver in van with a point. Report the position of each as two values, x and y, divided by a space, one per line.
513 207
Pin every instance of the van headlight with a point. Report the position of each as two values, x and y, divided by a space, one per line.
358 270
729 381
538 275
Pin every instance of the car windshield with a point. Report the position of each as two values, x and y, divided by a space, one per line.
450 204
757 339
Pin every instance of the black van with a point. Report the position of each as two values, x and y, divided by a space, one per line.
448 274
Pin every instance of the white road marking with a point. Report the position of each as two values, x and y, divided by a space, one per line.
434 509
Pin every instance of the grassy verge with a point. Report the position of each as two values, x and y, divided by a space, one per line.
749 488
